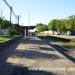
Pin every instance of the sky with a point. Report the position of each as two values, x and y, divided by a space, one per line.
38 11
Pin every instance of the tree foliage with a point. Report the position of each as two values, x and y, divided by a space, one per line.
62 25
13 32
71 23
4 24
41 27
53 25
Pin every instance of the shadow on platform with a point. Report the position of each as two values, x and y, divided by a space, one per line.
26 71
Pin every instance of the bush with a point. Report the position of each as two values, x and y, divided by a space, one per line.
12 32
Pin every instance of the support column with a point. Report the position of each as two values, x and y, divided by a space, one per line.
25 32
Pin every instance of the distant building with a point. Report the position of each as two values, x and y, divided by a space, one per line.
25 30
72 33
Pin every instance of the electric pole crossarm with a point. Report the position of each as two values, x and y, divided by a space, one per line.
7 4
14 14
10 7
11 11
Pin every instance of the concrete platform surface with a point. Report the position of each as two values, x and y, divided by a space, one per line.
35 54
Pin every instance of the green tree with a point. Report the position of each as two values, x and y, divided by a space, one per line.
63 26
41 27
71 23
57 25
1 25
1 20
13 32
52 25
5 24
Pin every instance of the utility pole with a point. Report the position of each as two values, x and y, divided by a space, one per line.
1 13
11 11
10 7
18 19
18 25
29 22
1 20
10 14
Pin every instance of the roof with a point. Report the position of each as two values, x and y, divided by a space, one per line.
30 27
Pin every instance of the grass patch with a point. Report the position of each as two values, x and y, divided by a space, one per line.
70 45
42 34
5 38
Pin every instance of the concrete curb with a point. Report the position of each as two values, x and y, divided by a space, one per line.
8 43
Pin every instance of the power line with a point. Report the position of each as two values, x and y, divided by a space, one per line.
14 13
11 10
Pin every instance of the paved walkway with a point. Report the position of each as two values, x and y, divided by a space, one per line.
32 52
